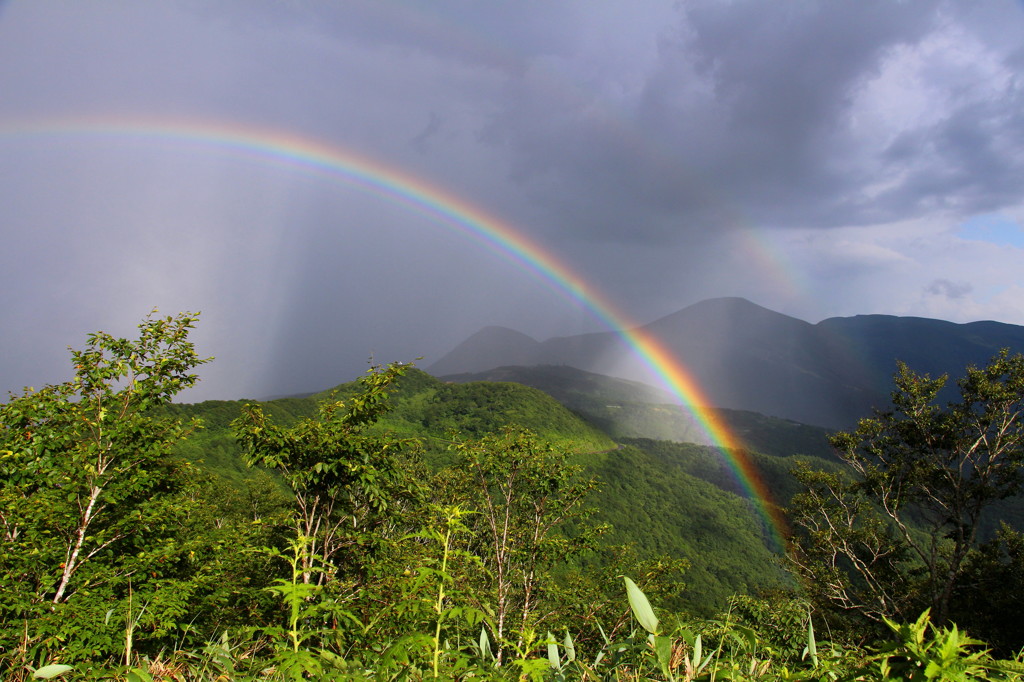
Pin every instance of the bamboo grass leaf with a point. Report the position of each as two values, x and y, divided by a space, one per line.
642 610
570 647
812 646
553 659
48 672
485 645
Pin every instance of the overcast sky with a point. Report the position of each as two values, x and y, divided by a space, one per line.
818 158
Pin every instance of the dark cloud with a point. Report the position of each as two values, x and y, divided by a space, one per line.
972 161
433 126
754 105
500 36
650 147
948 289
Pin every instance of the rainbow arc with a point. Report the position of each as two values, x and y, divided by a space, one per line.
451 212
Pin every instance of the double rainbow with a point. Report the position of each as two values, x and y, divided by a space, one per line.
450 211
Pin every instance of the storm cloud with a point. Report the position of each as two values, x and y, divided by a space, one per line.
817 158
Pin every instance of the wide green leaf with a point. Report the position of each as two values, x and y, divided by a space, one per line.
553 659
642 610
48 672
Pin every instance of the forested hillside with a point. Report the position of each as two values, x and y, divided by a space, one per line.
692 506
401 527
421 407
629 409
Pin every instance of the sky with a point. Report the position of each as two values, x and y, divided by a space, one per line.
821 159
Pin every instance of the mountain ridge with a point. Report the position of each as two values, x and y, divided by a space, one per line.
670 499
744 356
627 409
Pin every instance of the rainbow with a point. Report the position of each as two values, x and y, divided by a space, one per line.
453 212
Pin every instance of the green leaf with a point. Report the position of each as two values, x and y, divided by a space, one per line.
553 660
570 648
48 672
642 610
485 644
663 650
812 646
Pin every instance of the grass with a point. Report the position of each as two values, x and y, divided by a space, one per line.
720 649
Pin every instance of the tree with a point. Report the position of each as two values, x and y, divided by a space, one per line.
526 496
990 598
347 479
89 494
891 534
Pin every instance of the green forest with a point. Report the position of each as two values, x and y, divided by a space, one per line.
400 527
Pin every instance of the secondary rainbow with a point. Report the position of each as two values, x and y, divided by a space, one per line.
453 212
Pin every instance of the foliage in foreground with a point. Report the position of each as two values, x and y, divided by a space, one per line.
121 563
898 531
732 647
94 513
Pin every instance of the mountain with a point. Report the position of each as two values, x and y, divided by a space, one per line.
421 407
676 499
570 386
630 409
746 357
489 347
680 500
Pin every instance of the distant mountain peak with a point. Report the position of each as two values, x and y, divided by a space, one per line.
501 333
725 300
733 305
746 357
490 347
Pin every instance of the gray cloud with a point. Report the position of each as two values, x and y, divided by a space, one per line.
948 289
667 152
755 106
